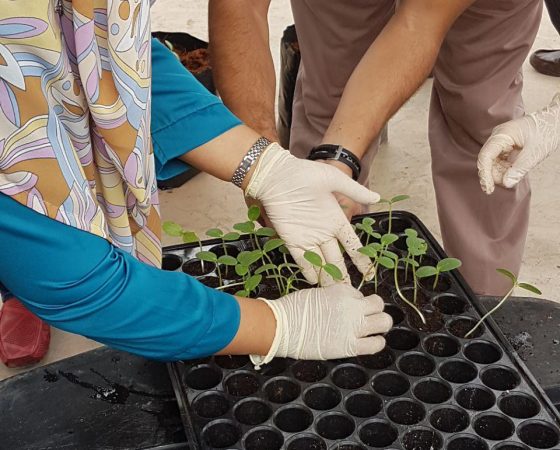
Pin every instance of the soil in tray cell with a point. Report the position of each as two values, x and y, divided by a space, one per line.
432 391
264 438
306 442
335 425
378 433
461 326
449 419
322 397
309 371
252 411
434 320
197 268
363 404
422 439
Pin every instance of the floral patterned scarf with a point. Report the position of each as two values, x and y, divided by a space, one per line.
75 117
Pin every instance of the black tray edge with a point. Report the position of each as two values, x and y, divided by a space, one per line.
489 322
437 248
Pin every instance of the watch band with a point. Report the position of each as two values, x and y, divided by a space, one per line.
248 160
337 153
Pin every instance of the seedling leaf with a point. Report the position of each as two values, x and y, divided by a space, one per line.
313 258
172 229
530 288
252 282
189 237
242 293
241 270
368 220
508 274
245 227
248 258
227 260
253 213
284 250
232 236
266 232
272 244
426 271
390 254
333 271
368 251
215 233
264 268
411 232
207 256
388 239
399 198
448 264
386 262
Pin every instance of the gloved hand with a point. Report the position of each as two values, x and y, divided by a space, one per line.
517 146
326 323
298 199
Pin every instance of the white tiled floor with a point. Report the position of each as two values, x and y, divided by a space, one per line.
403 166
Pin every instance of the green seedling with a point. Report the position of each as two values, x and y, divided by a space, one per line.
380 255
391 202
225 237
515 283
249 286
366 228
189 237
316 261
416 248
445 265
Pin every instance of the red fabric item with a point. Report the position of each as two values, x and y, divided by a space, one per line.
24 338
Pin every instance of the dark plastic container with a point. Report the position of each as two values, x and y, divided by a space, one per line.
429 389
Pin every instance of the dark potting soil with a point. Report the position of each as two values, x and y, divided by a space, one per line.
434 320
269 290
461 327
196 268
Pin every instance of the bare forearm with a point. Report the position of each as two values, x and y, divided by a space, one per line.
392 69
242 63
256 329
222 155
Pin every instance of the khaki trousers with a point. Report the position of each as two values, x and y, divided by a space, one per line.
477 85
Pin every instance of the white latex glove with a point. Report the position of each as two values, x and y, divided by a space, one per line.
326 323
517 146
297 196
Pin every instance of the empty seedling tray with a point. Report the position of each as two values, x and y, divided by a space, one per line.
429 389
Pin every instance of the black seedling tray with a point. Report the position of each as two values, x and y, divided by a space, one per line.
427 390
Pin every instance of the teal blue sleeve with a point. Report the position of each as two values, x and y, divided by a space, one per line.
81 283
185 115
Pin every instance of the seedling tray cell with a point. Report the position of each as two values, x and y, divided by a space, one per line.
429 389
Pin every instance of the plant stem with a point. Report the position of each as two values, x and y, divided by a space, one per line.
494 309
436 280
219 288
200 248
390 217
219 273
279 281
404 299
415 281
224 247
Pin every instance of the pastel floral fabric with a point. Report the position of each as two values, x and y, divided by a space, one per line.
75 117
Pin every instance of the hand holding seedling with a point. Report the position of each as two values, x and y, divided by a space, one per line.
298 197
326 323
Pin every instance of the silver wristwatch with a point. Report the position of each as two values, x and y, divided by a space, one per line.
248 160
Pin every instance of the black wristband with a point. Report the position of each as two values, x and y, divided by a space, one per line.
337 153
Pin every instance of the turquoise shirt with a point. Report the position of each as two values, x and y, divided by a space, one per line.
81 283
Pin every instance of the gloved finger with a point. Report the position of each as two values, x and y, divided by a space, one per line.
496 145
370 345
307 268
332 254
520 167
376 324
374 304
351 243
343 184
